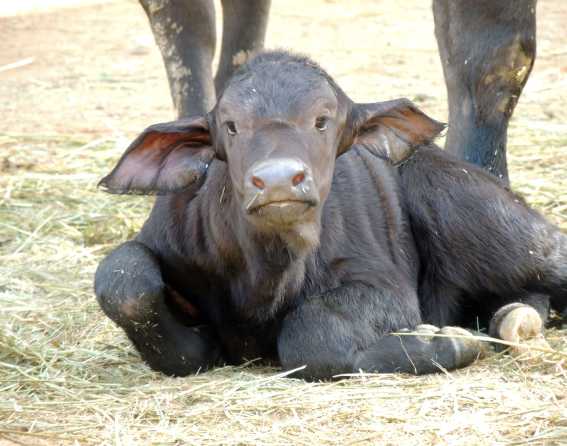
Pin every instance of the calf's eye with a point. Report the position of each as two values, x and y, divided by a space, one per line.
231 128
321 123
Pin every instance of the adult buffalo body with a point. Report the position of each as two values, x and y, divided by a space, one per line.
487 49
297 226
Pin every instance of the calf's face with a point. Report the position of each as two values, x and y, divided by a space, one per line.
279 125
279 130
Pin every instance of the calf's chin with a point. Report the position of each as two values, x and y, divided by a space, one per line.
296 223
302 237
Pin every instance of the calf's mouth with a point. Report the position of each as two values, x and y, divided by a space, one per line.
281 211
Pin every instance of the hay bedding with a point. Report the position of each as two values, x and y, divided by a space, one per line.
69 376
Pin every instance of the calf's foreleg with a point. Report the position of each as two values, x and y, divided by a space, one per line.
350 328
130 290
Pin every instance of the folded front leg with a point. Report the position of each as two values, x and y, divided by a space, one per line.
348 329
427 349
131 292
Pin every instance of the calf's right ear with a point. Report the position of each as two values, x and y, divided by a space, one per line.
165 158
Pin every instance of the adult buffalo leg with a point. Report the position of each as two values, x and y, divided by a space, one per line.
487 50
131 292
350 329
244 29
185 33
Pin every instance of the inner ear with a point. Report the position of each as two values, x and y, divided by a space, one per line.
164 158
392 129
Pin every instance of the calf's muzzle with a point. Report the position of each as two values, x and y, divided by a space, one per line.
279 191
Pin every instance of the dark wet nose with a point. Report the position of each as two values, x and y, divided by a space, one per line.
278 174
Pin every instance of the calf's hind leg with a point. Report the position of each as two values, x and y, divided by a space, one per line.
131 292
522 323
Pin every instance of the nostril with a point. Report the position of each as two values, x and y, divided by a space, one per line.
258 182
298 179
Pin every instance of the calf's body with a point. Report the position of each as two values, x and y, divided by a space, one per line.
317 267
246 288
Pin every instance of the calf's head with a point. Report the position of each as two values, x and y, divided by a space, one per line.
279 125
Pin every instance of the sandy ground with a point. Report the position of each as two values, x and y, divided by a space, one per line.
90 79
95 68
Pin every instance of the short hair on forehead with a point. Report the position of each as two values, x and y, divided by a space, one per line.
284 64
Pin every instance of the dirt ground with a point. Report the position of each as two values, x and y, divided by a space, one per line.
90 78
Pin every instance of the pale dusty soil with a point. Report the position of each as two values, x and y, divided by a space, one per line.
97 71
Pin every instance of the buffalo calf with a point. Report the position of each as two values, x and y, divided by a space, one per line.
295 225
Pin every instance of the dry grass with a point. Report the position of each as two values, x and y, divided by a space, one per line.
68 375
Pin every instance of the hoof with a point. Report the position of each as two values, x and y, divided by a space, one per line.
521 324
466 346
425 332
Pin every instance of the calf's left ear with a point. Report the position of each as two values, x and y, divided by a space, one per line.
165 158
391 129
